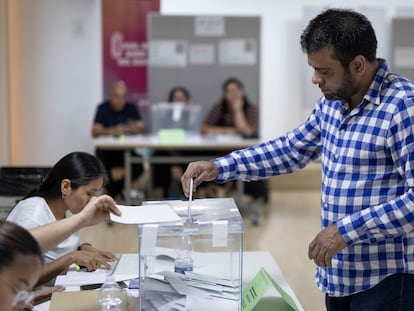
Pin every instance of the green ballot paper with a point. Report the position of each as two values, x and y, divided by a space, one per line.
258 287
171 136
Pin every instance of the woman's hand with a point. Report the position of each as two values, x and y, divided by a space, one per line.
43 295
97 210
91 261
236 105
106 254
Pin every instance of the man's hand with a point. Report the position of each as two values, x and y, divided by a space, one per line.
98 209
119 129
200 171
325 245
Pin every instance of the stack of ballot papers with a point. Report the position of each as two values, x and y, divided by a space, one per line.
168 290
124 268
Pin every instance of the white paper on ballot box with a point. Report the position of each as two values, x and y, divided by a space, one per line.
145 214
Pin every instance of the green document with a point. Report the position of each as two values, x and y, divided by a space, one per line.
171 136
258 287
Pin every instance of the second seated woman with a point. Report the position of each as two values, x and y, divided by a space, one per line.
72 184
234 114
166 177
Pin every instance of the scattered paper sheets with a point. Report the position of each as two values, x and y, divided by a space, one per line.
125 268
168 290
145 214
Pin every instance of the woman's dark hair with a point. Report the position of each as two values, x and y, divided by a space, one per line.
79 167
178 89
14 240
349 34
225 103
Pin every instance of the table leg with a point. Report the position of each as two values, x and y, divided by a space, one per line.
239 188
128 173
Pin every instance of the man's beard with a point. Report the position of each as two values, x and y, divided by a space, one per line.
345 91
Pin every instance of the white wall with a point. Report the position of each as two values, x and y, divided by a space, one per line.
4 111
55 77
282 66
55 66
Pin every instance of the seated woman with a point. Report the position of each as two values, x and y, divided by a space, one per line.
70 187
20 266
179 94
166 177
233 114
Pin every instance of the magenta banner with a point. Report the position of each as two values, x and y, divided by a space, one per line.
125 48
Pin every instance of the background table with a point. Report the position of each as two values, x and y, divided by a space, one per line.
151 143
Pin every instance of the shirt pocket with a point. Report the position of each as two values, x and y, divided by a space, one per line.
364 156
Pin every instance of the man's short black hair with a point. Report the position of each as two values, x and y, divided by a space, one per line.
349 34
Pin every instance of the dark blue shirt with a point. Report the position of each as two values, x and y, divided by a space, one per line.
108 117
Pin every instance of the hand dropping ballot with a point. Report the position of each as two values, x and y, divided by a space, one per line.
190 218
145 214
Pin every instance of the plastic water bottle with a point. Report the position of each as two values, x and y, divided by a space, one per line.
184 262
110 294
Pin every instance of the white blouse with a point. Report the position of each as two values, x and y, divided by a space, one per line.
34 212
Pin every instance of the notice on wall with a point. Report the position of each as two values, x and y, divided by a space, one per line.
168 53
209 26
238 52
124 45
127 53
404 57
202 54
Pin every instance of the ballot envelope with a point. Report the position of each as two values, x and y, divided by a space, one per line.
195 263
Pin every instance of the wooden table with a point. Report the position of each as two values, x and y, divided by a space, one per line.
252 262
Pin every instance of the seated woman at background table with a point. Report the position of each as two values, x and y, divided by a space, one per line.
179 94
233 114
166 177
67 199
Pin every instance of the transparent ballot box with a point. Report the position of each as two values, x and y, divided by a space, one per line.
176 116
194 264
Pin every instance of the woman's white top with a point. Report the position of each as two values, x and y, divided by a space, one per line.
34 212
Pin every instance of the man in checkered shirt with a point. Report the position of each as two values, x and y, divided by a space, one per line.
362 129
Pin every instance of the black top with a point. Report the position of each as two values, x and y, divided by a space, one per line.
108 117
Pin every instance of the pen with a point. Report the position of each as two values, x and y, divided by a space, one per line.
190 198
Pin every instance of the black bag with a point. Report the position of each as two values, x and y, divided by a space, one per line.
19 181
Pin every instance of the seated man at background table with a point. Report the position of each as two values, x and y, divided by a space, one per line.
117 117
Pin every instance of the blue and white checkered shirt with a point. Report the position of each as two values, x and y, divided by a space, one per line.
367 179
